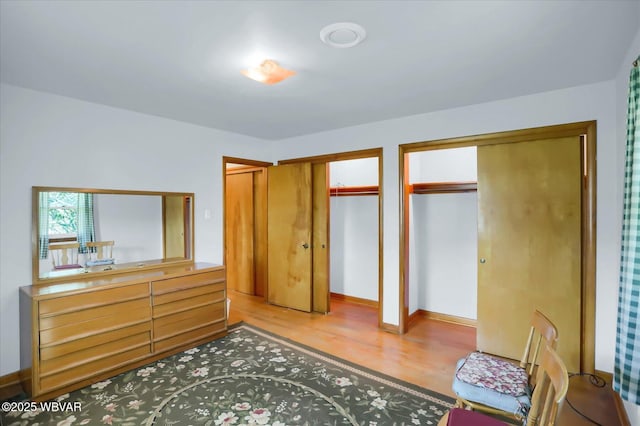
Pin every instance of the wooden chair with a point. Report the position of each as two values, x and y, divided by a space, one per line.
64 255
494 385
550 391
101 253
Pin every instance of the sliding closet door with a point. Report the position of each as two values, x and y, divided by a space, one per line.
529 244
320 246
289 228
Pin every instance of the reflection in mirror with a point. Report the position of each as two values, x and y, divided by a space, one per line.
124 229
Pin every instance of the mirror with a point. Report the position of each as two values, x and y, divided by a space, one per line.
148 230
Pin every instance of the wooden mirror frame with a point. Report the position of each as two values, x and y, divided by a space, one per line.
143 264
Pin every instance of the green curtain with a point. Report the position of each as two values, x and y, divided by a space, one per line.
43 224
627 360
86 228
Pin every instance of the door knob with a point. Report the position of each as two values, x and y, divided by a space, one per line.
483 260
305 245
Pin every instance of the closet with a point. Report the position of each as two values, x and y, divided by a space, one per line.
535 239
354 198
333 245
443 212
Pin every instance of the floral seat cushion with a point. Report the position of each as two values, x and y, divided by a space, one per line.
493 373
494 382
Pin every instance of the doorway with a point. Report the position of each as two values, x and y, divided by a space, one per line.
357 191
238 166
538 149
245 224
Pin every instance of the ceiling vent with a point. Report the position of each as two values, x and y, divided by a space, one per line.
343 34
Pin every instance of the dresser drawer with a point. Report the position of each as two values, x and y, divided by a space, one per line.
187 299
171 325
95 340
91 299
89 354
189 281
94 321
161 299
187 337
76 374
80 317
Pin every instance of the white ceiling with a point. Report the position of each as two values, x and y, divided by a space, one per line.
182 59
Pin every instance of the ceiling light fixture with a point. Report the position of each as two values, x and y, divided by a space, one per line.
343 34
268 72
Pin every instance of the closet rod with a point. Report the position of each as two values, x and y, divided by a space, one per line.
343 191
442 187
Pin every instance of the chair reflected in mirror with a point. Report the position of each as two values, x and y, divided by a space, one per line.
64 256
100 253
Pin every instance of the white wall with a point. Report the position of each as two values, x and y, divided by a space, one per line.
48 140
354 246
622 89
358 172
589 102
443 265
444 165
354 230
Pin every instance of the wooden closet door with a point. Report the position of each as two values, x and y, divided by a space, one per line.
239 232
320 244
289 229
529 244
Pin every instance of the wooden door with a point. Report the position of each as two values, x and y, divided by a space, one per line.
529 244
239 232
320 245
174 226
260 230
289 229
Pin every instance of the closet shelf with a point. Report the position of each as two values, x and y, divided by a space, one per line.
343 191
442 187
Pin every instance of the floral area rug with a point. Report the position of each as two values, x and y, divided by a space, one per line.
249 377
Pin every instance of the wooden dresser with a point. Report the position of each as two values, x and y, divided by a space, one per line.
76 333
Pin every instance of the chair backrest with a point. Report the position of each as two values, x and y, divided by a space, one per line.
544 332
551 389
64 255
103 249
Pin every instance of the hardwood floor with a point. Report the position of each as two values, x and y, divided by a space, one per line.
425 356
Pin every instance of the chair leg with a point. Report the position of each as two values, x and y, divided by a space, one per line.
459 403
444 420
